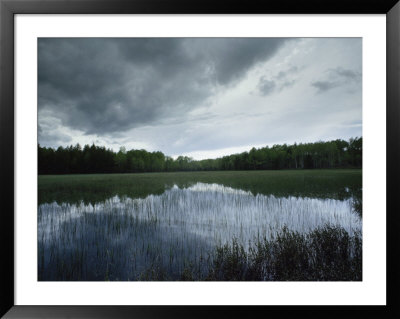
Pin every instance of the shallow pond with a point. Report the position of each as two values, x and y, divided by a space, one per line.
121 238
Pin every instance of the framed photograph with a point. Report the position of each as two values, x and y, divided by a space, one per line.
173 159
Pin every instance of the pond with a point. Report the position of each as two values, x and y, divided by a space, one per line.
125 238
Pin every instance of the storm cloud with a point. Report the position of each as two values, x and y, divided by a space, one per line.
201 97
108 85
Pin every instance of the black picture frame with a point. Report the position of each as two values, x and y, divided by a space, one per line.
9 8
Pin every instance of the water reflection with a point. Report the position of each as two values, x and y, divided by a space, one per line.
120 238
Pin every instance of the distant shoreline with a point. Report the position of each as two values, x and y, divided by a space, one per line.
96 159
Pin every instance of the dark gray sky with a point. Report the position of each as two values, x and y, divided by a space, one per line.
201 97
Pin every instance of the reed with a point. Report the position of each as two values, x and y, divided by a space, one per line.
201 232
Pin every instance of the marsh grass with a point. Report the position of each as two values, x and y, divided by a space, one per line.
327 253
93 188
186 234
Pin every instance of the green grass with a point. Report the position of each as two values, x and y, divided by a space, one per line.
328 183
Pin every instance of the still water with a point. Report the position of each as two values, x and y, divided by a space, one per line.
121 238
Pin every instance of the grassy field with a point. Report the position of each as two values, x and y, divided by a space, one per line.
329 183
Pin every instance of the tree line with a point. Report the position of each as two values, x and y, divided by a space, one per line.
97 159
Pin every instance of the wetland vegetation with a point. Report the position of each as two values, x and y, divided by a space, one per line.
222 225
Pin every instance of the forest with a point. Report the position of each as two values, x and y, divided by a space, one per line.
97 159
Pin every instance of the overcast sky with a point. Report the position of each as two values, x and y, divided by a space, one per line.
200 97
